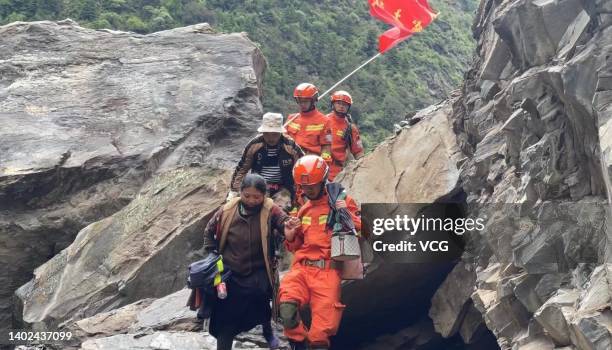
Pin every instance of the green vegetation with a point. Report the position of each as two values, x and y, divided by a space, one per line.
304 41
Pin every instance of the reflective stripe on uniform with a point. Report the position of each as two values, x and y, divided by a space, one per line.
306 220
322 219
295 126
315 127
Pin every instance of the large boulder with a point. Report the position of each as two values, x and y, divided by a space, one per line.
142 251
93 120
418 165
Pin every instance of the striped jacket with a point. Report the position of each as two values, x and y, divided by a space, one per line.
254 156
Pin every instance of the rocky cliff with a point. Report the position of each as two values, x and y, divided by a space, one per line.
534 121
110 147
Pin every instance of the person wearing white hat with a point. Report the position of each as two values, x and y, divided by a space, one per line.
272 155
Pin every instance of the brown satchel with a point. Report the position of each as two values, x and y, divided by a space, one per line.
353 269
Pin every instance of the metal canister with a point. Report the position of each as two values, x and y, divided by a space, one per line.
221 290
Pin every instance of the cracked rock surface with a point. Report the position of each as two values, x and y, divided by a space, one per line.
533 123
101 131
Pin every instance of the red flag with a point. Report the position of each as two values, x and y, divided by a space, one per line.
406 16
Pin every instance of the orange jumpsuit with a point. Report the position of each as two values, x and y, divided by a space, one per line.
339 146
319 287
310 131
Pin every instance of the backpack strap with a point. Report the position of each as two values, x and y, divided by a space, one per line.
348 132
264 221
336 192
341 196
225 221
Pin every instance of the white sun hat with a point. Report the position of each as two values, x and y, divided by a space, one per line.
272 122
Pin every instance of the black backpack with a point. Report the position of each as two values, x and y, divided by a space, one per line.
203 273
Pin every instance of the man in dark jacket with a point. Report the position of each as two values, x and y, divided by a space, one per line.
272 155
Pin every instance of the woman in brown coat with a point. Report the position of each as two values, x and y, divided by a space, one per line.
243 231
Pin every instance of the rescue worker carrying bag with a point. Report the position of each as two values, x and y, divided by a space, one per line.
345 247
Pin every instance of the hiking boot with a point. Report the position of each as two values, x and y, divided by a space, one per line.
273 341
271 338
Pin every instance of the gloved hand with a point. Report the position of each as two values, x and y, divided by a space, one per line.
230 195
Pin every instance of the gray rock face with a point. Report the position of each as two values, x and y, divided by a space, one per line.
159 340
533 29
450 303
169 341
592 331
142 251
110 323
166 313
555 314
533 122
148 323
92 120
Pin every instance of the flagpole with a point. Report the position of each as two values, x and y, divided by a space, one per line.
351 73
338 83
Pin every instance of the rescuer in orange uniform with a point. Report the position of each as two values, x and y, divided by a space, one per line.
309 128
313 278
345 135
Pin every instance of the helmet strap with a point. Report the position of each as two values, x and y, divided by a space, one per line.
313 105
322 191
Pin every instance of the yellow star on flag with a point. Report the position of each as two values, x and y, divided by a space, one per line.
417 26
379 3
397 14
